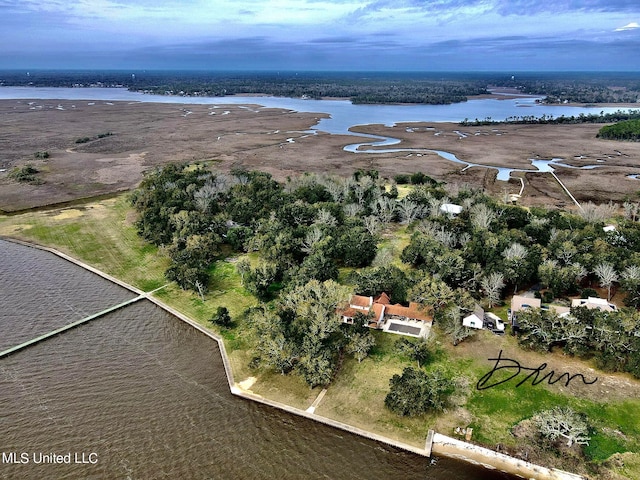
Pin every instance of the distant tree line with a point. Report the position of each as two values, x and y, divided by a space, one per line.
360 87
375 90
601 117
576 87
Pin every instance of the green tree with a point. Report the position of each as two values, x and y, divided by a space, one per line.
417 392
435 293
359 345
451 323
26 174
560 279
316 266
418 350
317 368
390 279
222 317
516 266
274 347
190 261
258 280
163 193
543 329
314 327
630 282
356 247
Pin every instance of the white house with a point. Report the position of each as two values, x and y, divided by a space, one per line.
475 320
594 302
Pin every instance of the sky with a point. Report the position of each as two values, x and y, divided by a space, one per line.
292 35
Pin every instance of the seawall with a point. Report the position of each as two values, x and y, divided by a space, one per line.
436 444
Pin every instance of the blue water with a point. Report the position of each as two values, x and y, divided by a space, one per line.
343 114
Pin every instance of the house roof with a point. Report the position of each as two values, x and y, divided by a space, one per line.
451 208
518 302
349 312
378 310
383 299
414 310
360 301
594 302
382 306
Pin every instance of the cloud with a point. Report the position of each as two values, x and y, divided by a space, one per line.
628 26
321 34
528 7
446 8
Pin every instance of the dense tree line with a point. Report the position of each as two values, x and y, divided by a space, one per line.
627 130
611 338
302 233
305 229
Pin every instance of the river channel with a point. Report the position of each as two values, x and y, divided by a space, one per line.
139 394
343 115
144 393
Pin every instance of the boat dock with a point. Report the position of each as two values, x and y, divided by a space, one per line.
41 338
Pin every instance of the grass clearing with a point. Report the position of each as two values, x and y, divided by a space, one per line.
103 234
357 395
98 234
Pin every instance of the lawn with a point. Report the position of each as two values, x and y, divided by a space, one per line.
100 233
103 234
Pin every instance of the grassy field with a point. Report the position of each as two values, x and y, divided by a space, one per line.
102 234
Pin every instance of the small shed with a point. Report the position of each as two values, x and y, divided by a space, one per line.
475 320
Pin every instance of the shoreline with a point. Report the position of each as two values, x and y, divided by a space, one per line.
435 443
279 142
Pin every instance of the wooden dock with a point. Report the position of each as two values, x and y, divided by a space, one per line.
41 338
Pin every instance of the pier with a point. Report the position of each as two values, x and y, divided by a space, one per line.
436 444
41 338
